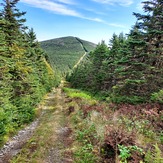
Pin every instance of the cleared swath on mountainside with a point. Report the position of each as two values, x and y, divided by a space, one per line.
63 53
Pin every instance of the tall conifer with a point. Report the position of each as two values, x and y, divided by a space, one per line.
15 24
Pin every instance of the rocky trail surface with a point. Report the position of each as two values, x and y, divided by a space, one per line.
13 147
47 140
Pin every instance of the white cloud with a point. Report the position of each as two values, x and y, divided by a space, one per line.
116 25
94 11
104 22
94 19
111 2
71 2
57 8
52 6
63 9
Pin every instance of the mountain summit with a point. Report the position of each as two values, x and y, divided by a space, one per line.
65 52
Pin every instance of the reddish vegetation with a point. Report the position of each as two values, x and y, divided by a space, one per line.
113 136
128 109
70 110
151 112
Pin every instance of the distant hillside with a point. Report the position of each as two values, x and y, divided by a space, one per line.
65 52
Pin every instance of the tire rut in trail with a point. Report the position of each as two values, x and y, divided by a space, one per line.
56 131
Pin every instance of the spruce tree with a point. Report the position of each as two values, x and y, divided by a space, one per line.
150 25
98 58
114 62
15 24
144 70
6 107
25 76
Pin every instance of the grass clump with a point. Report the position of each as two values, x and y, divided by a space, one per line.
74 93
154 156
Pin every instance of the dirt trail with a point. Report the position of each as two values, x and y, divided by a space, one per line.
61 133
83 56
55 135
80 60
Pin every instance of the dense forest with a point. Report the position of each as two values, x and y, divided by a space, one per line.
65 52
127 77
25 75
130 69
109 110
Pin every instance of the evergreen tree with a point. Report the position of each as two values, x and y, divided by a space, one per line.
5 85
152 26
114 62
15 24
114 46
25 75
90 74
98 58
132 70
143 73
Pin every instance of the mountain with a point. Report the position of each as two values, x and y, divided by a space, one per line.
65 52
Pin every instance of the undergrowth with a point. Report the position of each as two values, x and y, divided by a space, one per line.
74 93
107 132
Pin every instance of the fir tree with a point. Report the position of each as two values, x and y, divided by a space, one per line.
25 76
15 24
132 70
143 72
151 27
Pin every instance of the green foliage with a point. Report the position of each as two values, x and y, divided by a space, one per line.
154 156
157 97
84 154
73 93
2 124
125 152
25 75
130 70
86 135
125 99
161 137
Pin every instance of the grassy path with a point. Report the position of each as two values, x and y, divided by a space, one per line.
52 139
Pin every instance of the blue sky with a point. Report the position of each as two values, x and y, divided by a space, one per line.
92 20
